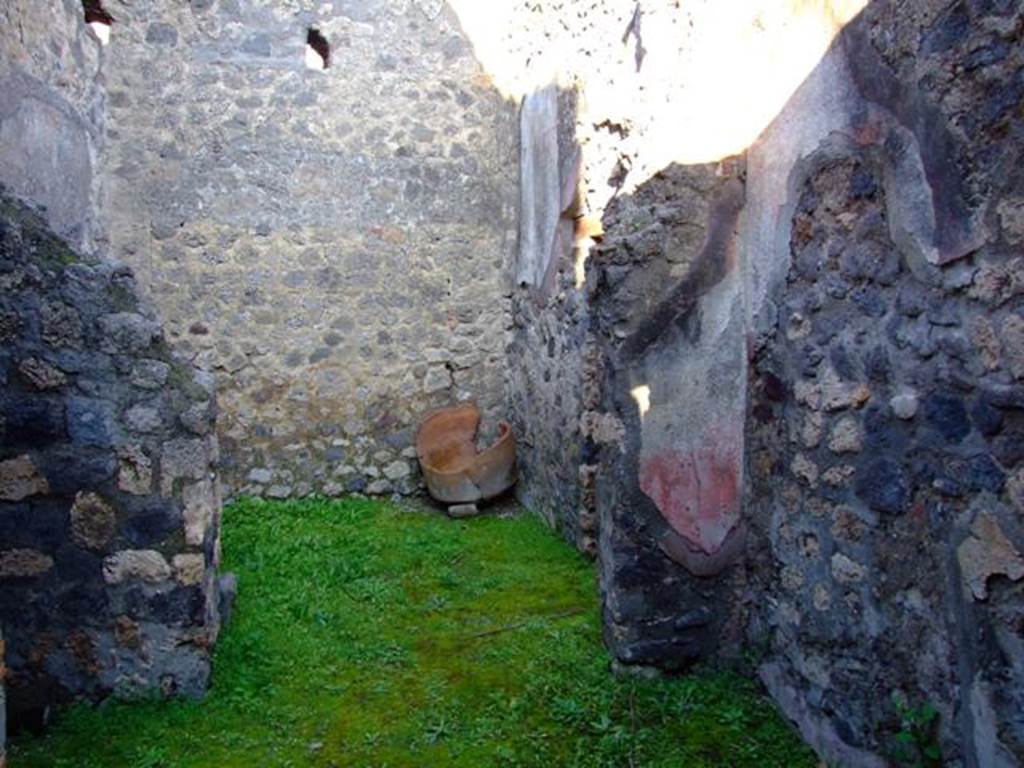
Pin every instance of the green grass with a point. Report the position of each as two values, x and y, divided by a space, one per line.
369 635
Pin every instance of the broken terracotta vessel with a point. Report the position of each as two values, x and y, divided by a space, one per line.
453 469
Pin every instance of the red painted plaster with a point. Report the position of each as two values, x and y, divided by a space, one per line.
696 492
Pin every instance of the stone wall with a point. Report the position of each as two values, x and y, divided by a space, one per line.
331 245
109 503
51 115
547 356
671 446
884 422
805 350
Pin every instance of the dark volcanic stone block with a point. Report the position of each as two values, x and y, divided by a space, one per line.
31 421
947 415
883 486
151 526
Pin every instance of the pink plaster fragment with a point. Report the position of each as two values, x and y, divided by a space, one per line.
696 492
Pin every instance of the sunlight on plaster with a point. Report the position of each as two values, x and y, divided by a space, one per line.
101 30
642 396
579 266
713 74
588 231
314 60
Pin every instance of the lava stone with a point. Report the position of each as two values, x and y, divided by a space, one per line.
982 473
883 486
947 415
1008 449
151 526
986 418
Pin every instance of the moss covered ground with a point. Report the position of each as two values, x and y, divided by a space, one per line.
366 634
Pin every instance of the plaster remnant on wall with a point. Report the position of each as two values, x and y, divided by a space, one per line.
987 553
696 492
540 186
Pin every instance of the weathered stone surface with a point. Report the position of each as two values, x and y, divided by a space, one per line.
20 479
143 419
135 565
92 422
846 436
161 34
188 568
183 458
436 380
995 284
127 632
811 427
135 470
947 415
62 325
197 419
904 404
93 521
987 553
1012 333
986 341
41 374
129 332
281 491
261 475
837 394
804 469
200 507
854 300
839 476
458 511
397 470
845 570
23 563
150 374
1011 218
